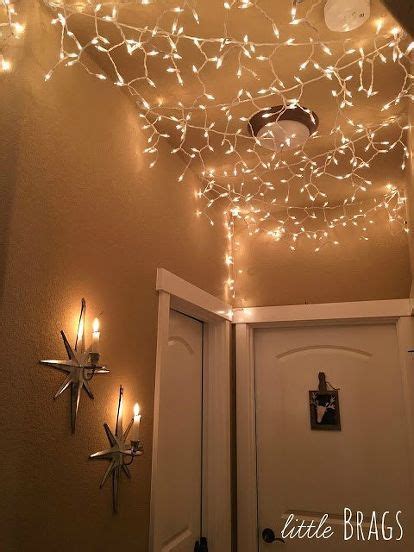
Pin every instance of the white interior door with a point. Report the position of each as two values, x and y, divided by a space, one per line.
179 474
365 466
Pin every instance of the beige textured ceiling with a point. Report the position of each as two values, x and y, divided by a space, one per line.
223 85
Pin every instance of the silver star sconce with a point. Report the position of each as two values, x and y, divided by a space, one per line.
81 366
120 455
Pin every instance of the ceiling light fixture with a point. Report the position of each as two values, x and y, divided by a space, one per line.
343 16
281 127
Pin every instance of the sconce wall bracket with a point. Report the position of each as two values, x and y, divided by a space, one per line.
117 454
81 366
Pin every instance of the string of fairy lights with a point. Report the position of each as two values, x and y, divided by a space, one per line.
10 29
287 195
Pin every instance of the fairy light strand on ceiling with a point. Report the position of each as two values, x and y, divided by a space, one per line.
284 195
10 28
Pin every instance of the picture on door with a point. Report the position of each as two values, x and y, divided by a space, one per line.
324 410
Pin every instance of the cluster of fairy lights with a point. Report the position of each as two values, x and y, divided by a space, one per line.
274 193
10 29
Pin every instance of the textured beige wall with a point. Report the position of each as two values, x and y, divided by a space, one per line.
81 216
356 270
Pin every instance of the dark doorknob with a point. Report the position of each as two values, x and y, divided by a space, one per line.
268 535
201 545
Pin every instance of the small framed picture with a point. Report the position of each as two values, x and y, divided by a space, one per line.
324 410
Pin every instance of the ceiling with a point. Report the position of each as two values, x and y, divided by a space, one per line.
223 84
211 88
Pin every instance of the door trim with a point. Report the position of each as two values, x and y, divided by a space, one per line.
191 300
398 312
332 312
175 293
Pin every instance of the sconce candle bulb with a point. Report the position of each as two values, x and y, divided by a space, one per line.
136 424
95 336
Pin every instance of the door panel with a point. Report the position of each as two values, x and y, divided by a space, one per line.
309 473
177 526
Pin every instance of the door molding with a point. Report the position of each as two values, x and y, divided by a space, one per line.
398 312
175 293
391 309
191 300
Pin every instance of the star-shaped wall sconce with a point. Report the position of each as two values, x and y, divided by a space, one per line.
118 453
81 366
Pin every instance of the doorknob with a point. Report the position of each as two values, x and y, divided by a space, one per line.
268 535
201 545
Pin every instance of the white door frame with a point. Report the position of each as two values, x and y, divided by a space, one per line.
397 311
175 293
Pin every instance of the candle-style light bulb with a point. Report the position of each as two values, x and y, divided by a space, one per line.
136 424
95 336
136 410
